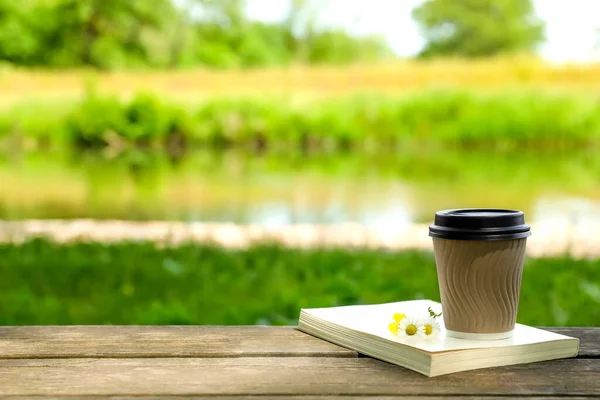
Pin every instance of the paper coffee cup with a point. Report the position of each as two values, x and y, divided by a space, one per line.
479 255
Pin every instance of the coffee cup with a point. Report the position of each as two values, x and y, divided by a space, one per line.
479 255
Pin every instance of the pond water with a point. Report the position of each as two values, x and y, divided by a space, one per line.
280 189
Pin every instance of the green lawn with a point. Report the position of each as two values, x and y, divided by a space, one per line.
136 283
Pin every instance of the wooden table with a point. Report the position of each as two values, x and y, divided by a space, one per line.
228 362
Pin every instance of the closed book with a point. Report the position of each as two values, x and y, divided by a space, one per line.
365 329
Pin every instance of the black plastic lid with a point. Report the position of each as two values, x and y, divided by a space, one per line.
479 224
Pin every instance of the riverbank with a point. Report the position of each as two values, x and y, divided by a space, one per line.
549 239
45 283
484 74
375 123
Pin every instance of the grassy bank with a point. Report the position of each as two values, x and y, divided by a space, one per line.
44 283
483 74
361 122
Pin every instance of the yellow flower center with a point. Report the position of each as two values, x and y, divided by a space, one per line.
428 329
411 329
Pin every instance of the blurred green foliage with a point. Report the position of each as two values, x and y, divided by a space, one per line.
161 33
478 27
433 118
79 32
128 283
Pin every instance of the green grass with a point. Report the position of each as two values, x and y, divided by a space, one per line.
129 283
360 122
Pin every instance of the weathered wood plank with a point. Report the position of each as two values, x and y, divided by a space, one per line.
192 341
285 376
267 397
167 341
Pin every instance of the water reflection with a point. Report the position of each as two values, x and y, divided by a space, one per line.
379 191
567 210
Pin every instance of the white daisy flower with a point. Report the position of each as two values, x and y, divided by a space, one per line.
430 328
410 326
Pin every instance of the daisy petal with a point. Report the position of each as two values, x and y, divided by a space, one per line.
410 326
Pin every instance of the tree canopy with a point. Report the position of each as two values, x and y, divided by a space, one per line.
216 33
474 28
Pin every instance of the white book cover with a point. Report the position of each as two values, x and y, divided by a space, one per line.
363 327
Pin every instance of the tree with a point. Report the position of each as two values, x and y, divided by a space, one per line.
19 37
110 31
129 33
99 33
473 28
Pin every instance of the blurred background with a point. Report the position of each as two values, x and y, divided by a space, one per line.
231 161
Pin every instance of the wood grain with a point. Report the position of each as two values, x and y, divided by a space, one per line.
284 376
133 362
317 397
167 341
192 341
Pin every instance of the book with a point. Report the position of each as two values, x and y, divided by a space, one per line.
364 328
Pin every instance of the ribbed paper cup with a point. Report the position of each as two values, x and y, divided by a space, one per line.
479 255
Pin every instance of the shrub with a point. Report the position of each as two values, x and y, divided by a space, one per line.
434 118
